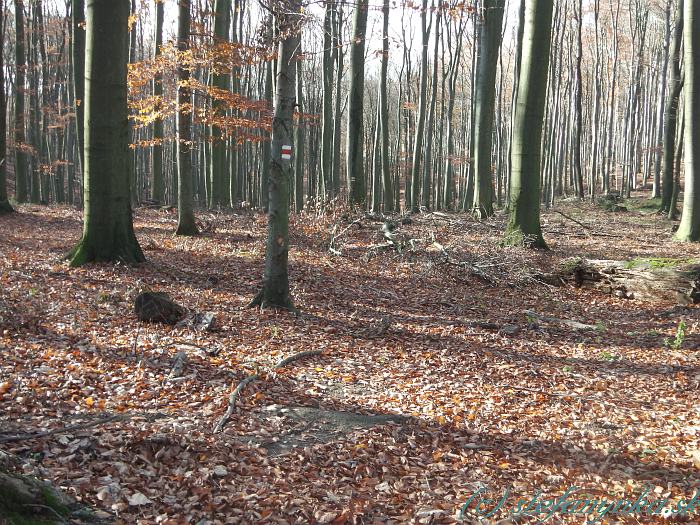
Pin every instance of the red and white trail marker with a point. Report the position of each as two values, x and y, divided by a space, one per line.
286 152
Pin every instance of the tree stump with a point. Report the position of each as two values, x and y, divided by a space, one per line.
157 307
654 279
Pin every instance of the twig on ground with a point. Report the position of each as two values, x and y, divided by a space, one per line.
234 395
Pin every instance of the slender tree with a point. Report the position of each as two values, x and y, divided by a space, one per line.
671 113
387 188
689 228
157 179
185 203
5 206
355 156
275 288
423 97
219 172
21 167
78 51
490 27
524 222
108 232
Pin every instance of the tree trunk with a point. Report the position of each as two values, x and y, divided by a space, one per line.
423 96
689 228
491 21
275 289
157 179
387 187
5 206
524 223
355 154
108 232
671 113
185 203
21 168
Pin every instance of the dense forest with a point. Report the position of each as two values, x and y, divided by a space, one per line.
332 262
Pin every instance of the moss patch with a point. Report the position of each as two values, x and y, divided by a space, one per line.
656 263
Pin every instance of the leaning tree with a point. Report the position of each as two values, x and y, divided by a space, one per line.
108 231
524 223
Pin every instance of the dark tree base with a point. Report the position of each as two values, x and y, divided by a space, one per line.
264 299
6 207
85 252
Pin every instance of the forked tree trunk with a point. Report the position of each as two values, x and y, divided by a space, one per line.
108 231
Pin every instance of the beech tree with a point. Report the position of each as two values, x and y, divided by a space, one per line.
689 228
524 219
108 232
355 143
490 26
275 287
5 206
185 218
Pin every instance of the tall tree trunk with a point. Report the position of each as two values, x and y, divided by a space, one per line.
524 222
21 168
108 232
671 113
220 195
326 179
387 187
355 139
689 227
428 157
5 206
658 145
275 289
337 114
578 107
78 56
185 203
157 179
423 96
491 21
299 140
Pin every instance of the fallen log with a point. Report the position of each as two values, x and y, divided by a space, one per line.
653 279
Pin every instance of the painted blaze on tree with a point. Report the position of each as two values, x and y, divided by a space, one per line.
108 232
275 289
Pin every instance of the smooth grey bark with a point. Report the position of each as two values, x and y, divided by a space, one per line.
387 187
422 101
578 105
275 288
455 57
524 221
21 167
428 156
299 140
78 56
327 124
671 112
219 173
490 27
355 154
658 146
5 206
186 224
689 227
108 231
157 179
337 114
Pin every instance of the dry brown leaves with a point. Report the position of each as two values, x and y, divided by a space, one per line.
537 407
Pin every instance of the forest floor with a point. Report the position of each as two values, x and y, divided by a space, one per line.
489 397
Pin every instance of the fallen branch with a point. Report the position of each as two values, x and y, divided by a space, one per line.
77 426
234 395
568 322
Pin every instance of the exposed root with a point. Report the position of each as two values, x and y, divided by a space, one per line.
236 393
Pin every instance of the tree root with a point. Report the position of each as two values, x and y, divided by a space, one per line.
236 393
